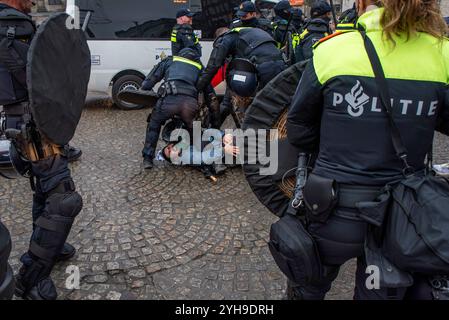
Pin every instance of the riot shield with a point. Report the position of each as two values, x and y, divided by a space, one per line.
58 72
269 111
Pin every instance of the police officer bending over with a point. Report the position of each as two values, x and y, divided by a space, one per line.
315 29
55 202
178 96
336 111
183 35
246 42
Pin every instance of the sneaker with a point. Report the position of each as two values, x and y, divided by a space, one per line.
148 164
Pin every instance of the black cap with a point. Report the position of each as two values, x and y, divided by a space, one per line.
245 8
184 12
283 5
320 8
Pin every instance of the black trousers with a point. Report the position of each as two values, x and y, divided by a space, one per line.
185 107
340 240
48 174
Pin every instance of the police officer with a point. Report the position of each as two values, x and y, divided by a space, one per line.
178 96
247 42
336 112
315 29
283 28
347 20
55 201
183 35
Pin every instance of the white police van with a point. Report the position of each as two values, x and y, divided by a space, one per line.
127 38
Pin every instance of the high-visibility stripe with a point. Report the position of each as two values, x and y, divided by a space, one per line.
295 40
303 35
240 29
174 36
348 55
184 60
345 26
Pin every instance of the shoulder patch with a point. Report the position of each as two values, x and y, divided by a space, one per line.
336 34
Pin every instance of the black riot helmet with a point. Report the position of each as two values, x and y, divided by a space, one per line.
190 54
242 77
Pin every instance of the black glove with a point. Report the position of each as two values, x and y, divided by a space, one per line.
146 85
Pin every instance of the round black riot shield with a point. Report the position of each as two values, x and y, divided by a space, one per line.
269 111
58 73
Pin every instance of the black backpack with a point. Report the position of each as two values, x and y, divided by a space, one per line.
16 31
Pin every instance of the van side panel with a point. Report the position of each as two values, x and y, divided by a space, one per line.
110 57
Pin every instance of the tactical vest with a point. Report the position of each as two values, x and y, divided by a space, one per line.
187 32
250 45
16 31
184 70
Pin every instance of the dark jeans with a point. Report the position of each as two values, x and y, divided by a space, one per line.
183 106
340 240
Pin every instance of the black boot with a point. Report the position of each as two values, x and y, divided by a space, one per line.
67 253
73 154
44 289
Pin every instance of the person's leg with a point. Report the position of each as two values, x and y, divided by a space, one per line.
225 107
52 227
338 240
187 108
155 122
313 291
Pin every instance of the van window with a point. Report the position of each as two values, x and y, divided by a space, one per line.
152 19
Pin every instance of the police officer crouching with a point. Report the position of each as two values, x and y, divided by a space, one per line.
178 96
255 49
183 35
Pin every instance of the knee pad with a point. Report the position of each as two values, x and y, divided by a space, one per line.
66 205
54 225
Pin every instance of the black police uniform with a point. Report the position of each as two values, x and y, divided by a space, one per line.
55 202
314 30
235 44
183 36
336 112
179 97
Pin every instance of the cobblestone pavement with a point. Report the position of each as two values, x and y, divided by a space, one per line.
164 234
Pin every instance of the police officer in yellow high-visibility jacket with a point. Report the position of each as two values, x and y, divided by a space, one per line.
183 35
178 96
337 114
